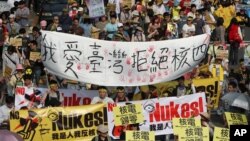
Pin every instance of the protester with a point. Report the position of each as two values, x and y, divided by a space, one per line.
181 89
22 14
111 28
16 79
55 25
235 39
10 59
12 26
35 63
5 111
188 29
102 132
103 96
121 95
53 97
43 25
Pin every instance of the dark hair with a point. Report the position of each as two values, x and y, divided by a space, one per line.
9 99
22 31
220 21
52 82
21 2
11 49
233 84
27 77
33 42
181 78
16 3
120 88
193 5
35 28
102 87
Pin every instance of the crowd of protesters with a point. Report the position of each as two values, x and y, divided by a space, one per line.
150 21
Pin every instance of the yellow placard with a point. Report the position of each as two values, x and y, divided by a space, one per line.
211 86
236 119
129 114
34 56
58 123
193 133
140 136
179 123
16 41
221 134
212 89
7 71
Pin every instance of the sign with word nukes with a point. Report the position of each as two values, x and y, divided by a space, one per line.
58 123
159 112
112 63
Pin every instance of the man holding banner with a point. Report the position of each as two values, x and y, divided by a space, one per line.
53 97
103 96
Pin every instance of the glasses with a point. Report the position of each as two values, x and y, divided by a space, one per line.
56 19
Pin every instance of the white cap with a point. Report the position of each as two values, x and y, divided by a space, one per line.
12 16
80 9
120 25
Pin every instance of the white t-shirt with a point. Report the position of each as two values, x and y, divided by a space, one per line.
187 29
4 113
106 100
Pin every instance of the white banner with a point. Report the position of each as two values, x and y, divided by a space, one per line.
96 8
247 56
71 97
158 113
112 63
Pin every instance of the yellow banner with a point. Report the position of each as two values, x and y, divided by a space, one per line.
129 114
221 134
212 89
179 123
140 136
194 133
236 119
59 123
211 86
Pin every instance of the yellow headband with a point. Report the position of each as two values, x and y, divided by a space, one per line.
104 90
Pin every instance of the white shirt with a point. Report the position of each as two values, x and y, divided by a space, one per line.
4 113
106 100
159 10
187 29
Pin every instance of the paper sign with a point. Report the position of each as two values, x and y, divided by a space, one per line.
129 114
140 136
193 133
236 119
7 71
221 134
16 41
179 123
34 56
221 54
